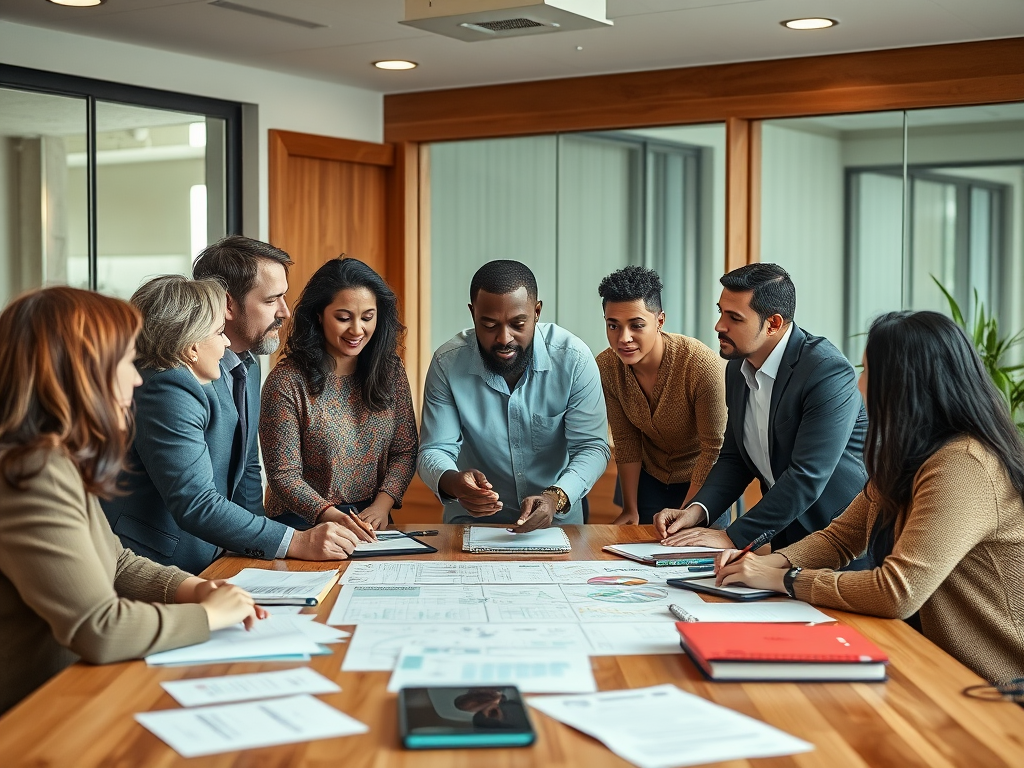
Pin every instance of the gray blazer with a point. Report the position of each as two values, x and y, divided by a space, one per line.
182 508
816 429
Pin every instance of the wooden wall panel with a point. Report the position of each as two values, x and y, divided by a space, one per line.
940 75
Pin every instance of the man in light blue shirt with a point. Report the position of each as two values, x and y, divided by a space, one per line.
514 423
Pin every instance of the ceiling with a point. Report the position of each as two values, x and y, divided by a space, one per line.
648 34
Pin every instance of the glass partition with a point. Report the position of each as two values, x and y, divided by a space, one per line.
870 212
575 207
41 200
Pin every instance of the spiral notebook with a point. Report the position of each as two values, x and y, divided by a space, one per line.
481 539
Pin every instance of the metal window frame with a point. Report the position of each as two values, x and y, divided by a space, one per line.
93 91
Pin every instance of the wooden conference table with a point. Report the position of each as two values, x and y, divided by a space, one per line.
83 716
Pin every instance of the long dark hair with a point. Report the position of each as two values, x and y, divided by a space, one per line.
306 346
926 386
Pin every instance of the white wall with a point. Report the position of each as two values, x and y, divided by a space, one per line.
284 101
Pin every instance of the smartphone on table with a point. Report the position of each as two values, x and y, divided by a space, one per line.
460 717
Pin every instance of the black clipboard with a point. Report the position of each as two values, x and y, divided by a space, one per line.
707 589
419 548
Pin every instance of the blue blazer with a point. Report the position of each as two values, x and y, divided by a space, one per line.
816 429
182 508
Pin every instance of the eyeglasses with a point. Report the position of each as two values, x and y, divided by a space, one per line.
1007 690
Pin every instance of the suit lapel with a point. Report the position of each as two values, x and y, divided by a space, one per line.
738 405
789 360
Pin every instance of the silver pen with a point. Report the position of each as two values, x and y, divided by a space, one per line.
681 614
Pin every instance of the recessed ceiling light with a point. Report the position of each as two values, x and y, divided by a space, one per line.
78 3
809 23
395 64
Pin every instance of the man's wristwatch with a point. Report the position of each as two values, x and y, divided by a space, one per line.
561 499
789 578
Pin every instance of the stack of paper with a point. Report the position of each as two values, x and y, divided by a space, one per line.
663 727
285 587
285 638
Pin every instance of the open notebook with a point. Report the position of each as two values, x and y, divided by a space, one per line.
482 539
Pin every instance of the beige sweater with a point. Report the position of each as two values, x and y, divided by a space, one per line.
958 558
68 589
677 437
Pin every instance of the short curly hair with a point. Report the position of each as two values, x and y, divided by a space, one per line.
632 283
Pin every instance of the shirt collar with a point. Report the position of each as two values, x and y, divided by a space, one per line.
541 359
232 360
770 368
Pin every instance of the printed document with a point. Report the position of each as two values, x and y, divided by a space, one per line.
264 583
261 685
376 647
230 727
663 727
534 671
273 636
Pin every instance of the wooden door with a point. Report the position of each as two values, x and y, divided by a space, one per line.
332 196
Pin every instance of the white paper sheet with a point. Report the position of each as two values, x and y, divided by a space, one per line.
640 639
445 572
391 543
647 603
376 647
261 685
550 538
409 603
533 670
264 583
273 636
230 727
784 612
653 548
663 727
579 571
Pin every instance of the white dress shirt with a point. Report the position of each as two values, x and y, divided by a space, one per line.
761 382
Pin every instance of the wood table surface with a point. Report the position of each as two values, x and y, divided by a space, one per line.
83 716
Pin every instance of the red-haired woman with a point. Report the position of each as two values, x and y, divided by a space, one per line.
67 587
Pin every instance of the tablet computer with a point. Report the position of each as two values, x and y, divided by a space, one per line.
707 586
462 717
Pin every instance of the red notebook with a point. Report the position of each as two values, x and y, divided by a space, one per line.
782 652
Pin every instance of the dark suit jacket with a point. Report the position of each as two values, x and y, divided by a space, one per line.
182 507
816 429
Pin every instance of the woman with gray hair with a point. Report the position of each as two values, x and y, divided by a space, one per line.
188 499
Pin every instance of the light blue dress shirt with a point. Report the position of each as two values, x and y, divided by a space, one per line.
551 429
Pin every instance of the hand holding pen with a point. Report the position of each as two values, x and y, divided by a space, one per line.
733 556
764 572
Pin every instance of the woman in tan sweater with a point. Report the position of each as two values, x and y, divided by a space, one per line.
67 587
665 395
942 511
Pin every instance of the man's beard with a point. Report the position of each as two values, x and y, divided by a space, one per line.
515 367
266 344
735 354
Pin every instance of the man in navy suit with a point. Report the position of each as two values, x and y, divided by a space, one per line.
796 422
194 484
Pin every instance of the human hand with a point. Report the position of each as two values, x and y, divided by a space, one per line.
669 521
628 517
326 541
749 570
227 604
699 537
376 515
536 512
335 515
472 490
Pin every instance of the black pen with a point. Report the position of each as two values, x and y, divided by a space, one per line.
419 533
757 543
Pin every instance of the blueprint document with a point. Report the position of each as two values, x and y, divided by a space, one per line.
534 572
506 603
376 647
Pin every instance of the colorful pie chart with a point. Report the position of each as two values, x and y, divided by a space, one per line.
629 581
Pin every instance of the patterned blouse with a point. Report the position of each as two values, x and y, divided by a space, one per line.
332 449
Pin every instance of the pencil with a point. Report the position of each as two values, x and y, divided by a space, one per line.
362 523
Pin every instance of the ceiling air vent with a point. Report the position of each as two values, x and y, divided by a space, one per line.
473 20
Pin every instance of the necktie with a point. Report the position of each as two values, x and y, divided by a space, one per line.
238 391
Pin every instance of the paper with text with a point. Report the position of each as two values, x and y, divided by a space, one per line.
260 685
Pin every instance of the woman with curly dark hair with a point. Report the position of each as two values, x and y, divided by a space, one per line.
337 425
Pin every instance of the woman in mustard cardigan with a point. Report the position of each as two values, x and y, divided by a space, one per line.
942 511
67 587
